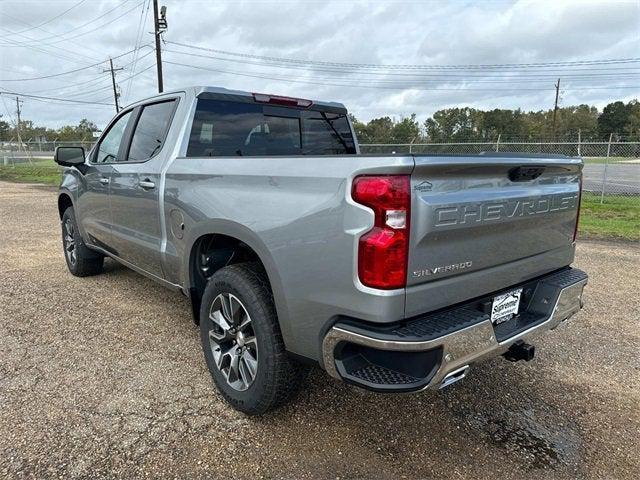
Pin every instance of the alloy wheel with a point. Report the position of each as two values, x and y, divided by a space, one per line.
70 242
233 341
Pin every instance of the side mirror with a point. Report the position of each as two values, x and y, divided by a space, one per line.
69 156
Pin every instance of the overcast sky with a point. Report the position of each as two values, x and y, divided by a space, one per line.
36 40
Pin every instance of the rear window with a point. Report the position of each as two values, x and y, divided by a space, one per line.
150 131
223 128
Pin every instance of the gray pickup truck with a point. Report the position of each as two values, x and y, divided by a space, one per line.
394 273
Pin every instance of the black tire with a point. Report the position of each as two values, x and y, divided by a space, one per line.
277 377
81 260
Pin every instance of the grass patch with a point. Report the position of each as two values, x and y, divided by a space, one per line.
41 171
617 217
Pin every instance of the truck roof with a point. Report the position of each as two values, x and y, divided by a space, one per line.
200 89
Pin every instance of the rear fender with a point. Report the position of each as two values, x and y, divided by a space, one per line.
248 237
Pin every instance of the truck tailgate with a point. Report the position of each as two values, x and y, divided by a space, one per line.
490 218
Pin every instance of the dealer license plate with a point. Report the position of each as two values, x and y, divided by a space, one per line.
505 306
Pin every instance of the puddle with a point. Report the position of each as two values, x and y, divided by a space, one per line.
540 444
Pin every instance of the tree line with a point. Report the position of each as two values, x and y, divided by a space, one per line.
466 124
461 124
83 131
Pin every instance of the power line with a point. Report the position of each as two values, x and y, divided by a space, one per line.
99 26
14 43
614 61
387 87
70 105
106 87
98 78
62 73
83 94
93 80
51 19
7 92
80 94
39 40
42 43
483 78
9 116
143 18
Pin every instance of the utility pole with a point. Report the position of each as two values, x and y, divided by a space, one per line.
159 27
113 81
18 103
20 145
555 108
18 112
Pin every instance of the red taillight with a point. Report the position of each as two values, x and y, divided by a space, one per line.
383 250
279 100
575 229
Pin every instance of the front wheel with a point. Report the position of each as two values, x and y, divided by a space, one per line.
81 260
242 343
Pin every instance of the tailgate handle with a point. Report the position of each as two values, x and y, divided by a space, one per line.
525 174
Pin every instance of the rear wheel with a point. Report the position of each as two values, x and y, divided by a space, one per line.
242 343
81 260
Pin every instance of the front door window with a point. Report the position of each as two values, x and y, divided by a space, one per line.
110 144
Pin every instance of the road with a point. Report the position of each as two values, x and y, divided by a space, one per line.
103 377
622 178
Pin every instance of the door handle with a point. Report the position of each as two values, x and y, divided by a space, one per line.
104 181
147 184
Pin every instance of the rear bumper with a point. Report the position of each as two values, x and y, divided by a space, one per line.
436 349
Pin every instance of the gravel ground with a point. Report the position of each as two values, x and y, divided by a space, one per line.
104 377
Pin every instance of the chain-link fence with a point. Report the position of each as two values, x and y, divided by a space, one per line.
14 152
611 168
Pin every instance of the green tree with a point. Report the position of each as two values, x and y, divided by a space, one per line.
613 119
508 123
5 130
360 129
582 117
378 130
454 124
85 129
406 130
632 125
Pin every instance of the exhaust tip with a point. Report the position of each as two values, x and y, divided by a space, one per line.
454 376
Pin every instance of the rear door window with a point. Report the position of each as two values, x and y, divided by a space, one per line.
227 128
151 130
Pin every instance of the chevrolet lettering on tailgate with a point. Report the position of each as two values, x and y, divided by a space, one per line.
470 213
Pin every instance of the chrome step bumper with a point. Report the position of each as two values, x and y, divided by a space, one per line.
435 350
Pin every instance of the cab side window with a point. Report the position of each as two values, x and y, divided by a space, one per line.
110 143
151 130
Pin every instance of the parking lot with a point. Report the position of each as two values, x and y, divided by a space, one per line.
104 377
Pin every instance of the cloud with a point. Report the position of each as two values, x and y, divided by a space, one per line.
375 32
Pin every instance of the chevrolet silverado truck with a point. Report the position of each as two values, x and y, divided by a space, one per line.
394 273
